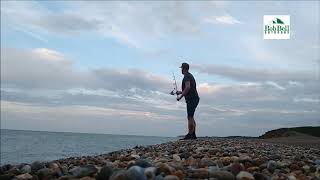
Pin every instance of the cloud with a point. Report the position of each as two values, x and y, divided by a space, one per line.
296 53
254 74
42 86
308 100
79 110
67 23
41 82
44 77
276 86
129 78
36 68
225 19
33 14
29 33
118 20
45 68
91 119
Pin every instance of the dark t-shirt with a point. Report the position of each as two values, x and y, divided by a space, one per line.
192 94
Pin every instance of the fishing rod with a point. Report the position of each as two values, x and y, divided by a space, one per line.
175 88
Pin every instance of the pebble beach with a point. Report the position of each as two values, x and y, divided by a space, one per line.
204 158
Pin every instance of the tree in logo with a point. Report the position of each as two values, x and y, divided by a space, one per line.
277 21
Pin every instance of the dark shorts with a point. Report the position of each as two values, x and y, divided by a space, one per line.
191 106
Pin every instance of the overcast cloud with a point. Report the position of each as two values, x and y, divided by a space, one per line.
83 67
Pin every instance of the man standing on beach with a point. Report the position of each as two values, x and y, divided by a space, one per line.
189 92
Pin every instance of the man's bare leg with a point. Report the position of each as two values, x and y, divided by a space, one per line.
194 125
190 125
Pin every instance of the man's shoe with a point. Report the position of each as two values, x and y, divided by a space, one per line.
186 137
194 135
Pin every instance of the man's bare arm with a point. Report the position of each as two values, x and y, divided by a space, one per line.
186 90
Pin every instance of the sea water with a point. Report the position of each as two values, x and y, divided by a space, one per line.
22 146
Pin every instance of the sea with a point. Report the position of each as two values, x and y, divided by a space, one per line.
23 146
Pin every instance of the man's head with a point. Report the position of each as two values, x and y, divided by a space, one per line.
184 68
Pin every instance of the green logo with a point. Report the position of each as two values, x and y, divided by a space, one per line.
276 27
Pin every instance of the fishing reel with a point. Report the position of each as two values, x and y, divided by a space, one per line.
173 92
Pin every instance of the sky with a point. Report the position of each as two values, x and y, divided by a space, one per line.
106 67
